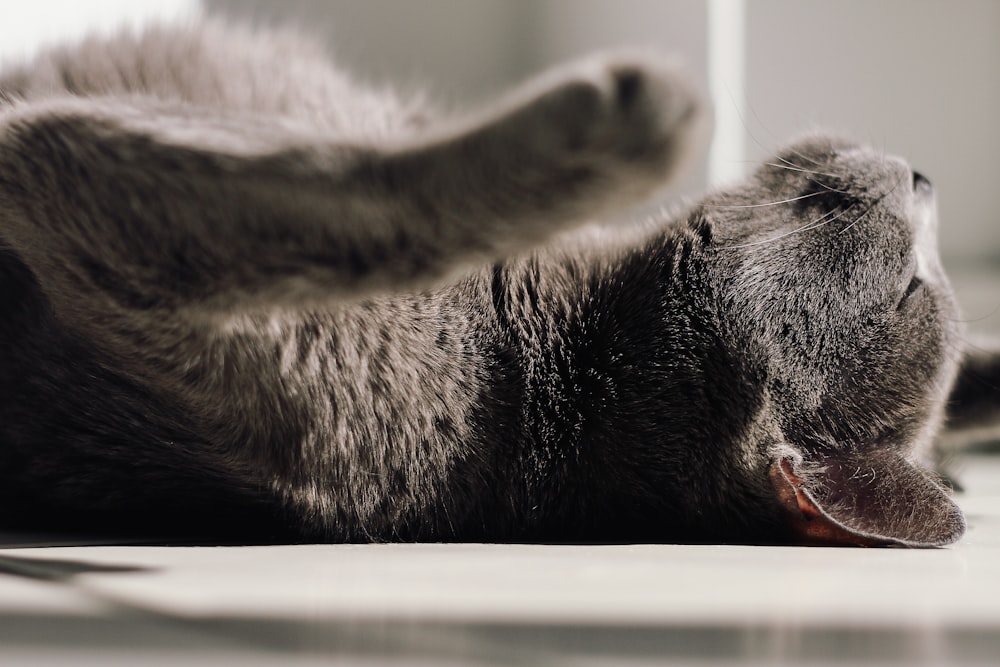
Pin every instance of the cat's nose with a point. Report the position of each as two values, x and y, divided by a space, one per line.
921 183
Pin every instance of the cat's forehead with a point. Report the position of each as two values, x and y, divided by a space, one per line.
822 194
835 162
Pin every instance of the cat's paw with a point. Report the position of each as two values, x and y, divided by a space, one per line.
631 118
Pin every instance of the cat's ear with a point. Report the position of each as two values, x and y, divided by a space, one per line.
974 402
872 498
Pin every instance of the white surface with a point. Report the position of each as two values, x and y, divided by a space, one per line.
488 604
562 584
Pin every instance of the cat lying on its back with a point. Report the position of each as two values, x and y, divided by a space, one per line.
244 296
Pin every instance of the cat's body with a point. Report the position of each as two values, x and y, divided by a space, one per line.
243 296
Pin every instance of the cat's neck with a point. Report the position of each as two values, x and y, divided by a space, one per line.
620 358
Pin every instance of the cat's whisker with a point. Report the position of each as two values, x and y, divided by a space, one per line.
791 167
804 157
872 207
829 188
772 203
971 320
859 218
969 344
815 224
760 144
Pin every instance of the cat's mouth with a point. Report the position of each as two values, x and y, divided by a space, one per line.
925 227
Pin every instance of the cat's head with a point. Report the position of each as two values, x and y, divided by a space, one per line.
833 297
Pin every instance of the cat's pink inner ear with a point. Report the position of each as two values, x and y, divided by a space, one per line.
864 499
807 521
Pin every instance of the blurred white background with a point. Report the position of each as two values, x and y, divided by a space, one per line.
919 78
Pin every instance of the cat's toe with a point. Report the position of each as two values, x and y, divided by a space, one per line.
634 115
653 107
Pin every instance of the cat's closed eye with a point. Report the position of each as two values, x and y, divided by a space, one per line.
912 288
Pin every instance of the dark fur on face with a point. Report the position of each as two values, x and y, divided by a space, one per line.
238 309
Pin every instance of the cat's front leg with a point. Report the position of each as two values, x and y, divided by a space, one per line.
579 140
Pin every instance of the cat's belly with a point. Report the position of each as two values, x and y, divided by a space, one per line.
362 420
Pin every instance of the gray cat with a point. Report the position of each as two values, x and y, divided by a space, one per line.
244 297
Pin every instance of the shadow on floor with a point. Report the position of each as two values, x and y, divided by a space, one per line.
61 570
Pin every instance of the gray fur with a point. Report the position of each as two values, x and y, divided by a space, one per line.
246 296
